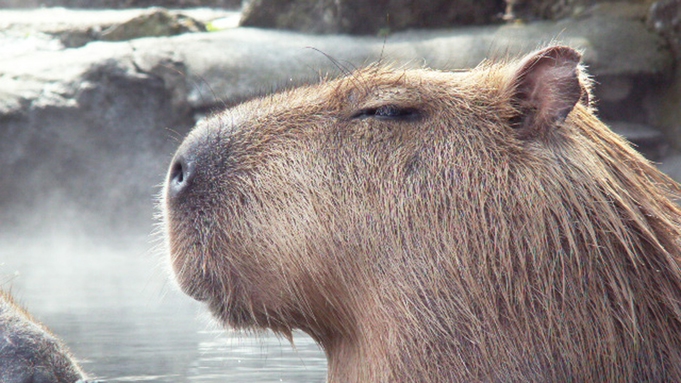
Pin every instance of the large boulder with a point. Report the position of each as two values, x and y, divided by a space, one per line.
83 131
665 18
23 30
157 22
119 4
367 17
86 132
529 10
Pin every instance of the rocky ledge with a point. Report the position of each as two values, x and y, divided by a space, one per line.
93 103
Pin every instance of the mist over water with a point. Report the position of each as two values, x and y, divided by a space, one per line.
112 301
76 249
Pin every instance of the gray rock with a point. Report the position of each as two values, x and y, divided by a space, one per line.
367 17
665 18
154 23
553 10
648 141
234 64
62 139
119 4
86 133
671 165
22 30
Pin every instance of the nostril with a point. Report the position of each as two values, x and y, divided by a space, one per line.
177 173
181 172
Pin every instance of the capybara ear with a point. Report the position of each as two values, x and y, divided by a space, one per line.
545 88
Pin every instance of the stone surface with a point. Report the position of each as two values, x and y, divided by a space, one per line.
665 18
362 17
155 23
89 146
672 166
648 141
236 63
24 30
86 133
119 4
529 10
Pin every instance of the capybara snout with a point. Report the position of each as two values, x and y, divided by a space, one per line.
192 158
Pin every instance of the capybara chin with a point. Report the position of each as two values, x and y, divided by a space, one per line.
29 353
426 226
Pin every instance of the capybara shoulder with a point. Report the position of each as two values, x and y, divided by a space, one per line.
469 226
29 353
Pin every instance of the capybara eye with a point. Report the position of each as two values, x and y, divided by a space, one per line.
516 121
389 112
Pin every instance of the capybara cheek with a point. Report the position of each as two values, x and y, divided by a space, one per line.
190 281
188 265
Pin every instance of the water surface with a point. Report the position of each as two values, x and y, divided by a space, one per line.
113 304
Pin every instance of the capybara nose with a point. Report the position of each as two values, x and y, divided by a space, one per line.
182 172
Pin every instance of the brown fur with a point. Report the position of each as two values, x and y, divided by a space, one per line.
497 231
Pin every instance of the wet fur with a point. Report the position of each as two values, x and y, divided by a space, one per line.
29 352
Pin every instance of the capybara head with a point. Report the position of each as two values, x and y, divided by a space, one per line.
473 226
29 353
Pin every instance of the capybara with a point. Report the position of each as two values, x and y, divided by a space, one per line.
29 352
428 226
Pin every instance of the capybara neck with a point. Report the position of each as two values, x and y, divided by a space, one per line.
426 226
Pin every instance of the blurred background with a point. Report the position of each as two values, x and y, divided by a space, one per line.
96 95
